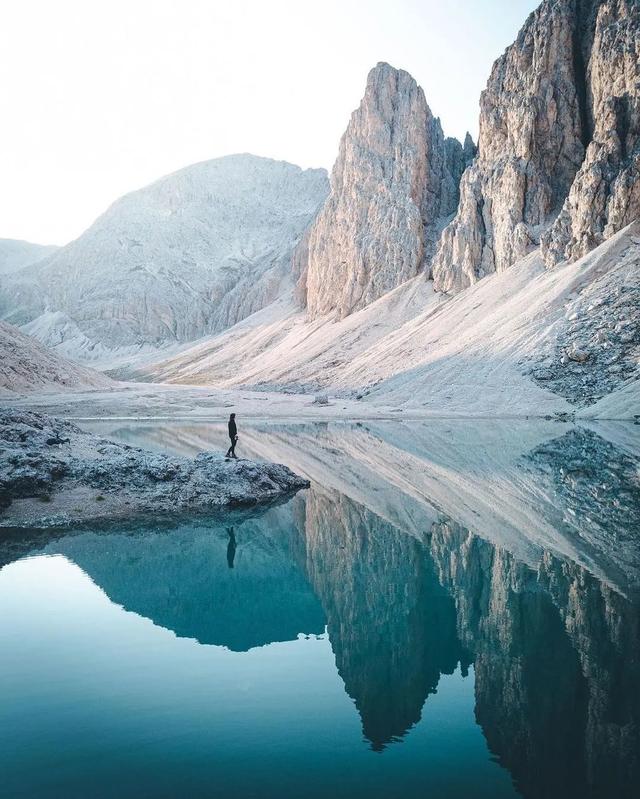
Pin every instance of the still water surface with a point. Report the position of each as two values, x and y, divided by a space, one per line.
440 615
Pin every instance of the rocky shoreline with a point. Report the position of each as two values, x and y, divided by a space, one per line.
52 473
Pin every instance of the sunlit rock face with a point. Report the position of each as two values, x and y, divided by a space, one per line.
605 195
558 122
393 186
391 625
555 654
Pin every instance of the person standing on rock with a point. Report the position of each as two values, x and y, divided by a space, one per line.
233 435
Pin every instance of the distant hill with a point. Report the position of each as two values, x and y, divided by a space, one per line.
15 254
191 254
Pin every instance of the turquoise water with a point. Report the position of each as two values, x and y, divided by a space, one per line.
353 642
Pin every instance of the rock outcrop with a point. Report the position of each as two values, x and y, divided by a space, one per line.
53 473
191 254
393 187
567 87
26 365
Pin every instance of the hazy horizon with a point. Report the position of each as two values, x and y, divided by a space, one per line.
105 98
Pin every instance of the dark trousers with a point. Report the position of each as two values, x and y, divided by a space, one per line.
231 452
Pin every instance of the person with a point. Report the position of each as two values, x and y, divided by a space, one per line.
233 435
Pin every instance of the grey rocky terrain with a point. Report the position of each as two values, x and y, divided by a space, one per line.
53 473
595 348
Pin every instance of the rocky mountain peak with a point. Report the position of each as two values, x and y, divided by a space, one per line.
393 185
469 148
558 147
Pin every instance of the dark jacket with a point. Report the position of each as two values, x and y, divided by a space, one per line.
233 430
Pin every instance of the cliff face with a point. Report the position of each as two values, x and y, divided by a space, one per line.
558 136
393 185
605 195
557 165
529 149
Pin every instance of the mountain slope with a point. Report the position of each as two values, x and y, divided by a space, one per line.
191 254
26 365
280 346
510 345
15 254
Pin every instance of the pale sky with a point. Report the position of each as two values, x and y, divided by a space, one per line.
100 97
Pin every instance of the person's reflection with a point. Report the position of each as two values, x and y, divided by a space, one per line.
231 547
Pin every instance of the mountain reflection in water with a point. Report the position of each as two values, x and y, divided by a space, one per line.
408 594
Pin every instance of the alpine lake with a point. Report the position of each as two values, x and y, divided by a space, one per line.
451 610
